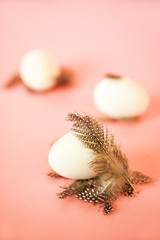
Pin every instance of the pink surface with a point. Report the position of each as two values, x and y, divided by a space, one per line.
91 38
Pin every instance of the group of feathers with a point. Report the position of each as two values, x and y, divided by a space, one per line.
113 175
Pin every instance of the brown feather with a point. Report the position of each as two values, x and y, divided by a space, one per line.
95 137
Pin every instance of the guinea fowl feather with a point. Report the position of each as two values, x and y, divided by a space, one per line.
93 136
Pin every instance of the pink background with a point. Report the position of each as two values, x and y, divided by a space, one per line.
91 38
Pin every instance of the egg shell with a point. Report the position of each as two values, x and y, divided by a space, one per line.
120 98
69 158
38 71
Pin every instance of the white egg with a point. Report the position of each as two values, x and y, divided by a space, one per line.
120 97
69 158
38 71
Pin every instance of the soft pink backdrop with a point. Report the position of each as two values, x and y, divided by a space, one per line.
91 38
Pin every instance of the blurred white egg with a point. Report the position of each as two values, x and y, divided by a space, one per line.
38 71
69 158
119 97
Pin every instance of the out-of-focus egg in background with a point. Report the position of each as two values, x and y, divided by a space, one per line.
38 70
119 97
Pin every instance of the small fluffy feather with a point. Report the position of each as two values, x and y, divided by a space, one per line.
113 175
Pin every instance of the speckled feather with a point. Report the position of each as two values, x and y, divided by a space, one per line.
108 158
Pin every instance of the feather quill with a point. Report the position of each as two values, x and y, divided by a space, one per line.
113 175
